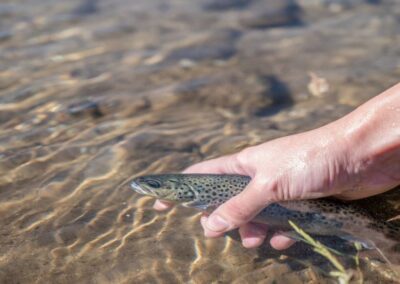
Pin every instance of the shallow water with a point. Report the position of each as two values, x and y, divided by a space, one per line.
95 92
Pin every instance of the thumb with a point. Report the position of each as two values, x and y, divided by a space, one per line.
238 210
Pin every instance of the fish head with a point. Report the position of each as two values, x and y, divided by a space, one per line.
166 187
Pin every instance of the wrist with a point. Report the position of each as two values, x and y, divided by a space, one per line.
371 138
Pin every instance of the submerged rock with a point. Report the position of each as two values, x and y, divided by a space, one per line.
87 7
272 14
238 92
90 108
220 45
219 5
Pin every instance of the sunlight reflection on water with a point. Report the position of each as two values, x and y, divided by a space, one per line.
93 93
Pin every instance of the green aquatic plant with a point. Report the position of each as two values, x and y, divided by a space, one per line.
340 273
356 257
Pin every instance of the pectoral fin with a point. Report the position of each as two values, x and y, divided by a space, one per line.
197 204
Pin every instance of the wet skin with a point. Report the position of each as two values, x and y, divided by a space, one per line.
354 157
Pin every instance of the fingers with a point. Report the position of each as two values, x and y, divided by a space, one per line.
162 205
203 221
233 214
237 211
253 235
281 242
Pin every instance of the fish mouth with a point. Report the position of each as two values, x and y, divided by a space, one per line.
136 187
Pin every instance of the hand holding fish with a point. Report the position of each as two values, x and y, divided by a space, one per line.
354 157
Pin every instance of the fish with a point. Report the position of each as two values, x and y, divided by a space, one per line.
323 217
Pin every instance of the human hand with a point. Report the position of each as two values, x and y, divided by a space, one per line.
334 160
293 167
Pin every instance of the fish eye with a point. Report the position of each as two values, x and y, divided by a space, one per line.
153 183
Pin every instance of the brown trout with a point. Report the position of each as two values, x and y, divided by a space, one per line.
319 216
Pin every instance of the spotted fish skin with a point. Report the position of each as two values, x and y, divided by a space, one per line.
318 216
193 190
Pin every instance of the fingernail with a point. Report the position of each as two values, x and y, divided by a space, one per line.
252 242
217 223
161 206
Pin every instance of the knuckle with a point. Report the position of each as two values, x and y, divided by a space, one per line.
243 157
268 188
264 183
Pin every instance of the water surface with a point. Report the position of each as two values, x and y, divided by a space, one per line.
95 92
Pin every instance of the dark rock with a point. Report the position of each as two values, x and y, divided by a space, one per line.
237 92
87 7
279 93
220 5
86 107
203 52
218 46
271 14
